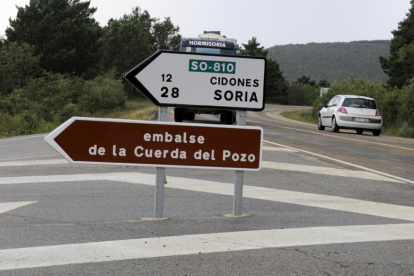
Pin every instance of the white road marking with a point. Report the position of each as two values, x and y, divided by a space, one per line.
343 162
21 138
8 206
333 136
326 171
276 195
34 163
63 178
107 251
30 157
278 149
265 164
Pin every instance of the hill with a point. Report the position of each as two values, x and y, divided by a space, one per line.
333 61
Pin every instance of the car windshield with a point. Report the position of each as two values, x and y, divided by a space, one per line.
217 51
359 103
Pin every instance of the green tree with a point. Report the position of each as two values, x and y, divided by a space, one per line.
400 64
306 80
126 41
129 40
323 83
276 85
253 49
18 65
166 35
63 32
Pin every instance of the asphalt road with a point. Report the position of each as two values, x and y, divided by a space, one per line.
324 203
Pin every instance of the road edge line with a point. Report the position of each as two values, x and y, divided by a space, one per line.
343 162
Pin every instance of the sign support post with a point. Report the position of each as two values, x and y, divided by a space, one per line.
159 182
238 185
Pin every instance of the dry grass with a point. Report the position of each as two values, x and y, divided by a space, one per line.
301 115
138 109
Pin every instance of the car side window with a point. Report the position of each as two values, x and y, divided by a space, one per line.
336 101
331 101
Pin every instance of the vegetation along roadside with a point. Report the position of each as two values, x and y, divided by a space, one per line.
395 104
44 81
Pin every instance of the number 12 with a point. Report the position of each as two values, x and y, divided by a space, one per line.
166 78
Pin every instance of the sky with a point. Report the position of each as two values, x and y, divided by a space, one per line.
273 22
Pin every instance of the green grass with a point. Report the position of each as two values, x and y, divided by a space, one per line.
301 115
136 109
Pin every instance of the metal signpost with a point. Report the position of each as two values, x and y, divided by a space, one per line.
159 185
180 79
238 185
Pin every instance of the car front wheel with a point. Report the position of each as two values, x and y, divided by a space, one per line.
335 127
320 126
359 131
229 118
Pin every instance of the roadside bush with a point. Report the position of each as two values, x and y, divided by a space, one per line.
52 99
22 124
406 131
104 93
69 110
406 104
357 86
389 105
18 64
45 96
15 103
302 94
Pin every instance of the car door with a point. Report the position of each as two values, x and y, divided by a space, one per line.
326 113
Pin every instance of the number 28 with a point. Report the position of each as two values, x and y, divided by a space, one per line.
174 94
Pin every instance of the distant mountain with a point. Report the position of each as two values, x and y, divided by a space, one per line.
333 61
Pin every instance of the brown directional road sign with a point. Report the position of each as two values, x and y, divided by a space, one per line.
150 143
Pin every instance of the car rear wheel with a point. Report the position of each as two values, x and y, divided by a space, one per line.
178 115
376 132
359 131
320 126
190 116
335 127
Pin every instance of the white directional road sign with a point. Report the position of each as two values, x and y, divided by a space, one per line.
201 80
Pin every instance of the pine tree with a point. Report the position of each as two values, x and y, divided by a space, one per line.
63 32
276 85
253 49
400 65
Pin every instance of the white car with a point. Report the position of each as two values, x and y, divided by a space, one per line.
351 112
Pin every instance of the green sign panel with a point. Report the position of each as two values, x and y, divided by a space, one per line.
211 66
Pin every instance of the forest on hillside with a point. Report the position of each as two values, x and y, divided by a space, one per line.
332 61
